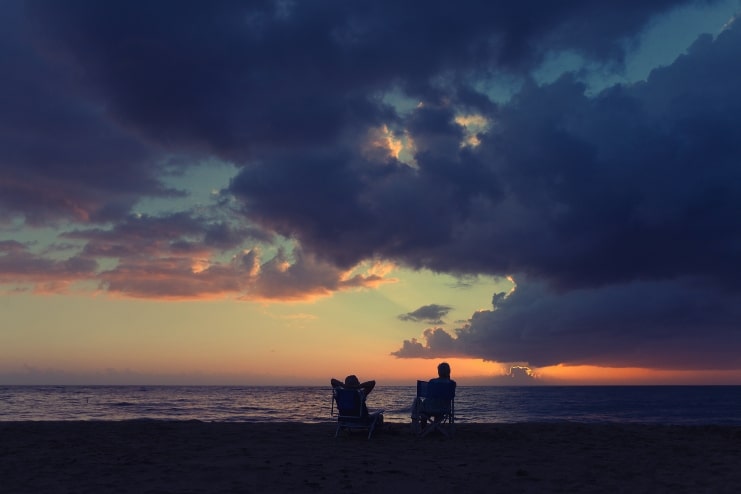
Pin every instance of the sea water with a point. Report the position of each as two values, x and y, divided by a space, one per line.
678 405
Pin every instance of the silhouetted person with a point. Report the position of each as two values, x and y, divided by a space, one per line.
352 382
431 405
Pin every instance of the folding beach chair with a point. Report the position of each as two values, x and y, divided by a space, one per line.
352 412
438 407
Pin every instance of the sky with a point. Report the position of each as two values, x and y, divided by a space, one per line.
280 192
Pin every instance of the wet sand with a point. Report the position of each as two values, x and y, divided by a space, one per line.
198 457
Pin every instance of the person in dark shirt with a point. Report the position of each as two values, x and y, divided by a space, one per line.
430 405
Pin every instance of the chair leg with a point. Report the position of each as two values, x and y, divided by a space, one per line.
378 417
438 424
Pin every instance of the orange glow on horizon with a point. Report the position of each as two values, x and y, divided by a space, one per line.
587 374
479 372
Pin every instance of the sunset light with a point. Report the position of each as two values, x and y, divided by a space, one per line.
284 192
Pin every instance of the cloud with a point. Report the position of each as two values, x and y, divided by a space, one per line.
521 375
183 233
298 277
61 157
229 78
305 277
178 256
635 182
682 324
437 343
184 277
431 314
19 266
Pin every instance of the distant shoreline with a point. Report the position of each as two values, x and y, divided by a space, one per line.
135 456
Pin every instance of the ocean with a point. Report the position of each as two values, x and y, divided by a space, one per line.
677 405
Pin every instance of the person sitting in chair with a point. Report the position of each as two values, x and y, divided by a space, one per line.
352 382
422 408
352 412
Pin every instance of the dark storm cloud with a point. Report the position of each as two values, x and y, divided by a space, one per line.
625 208
590 200
430 314
60 157
238 76
682 324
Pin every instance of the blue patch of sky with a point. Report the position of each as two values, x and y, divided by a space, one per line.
200 183
41 240
402 104
665 39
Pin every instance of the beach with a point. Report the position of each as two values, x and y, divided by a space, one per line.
143 456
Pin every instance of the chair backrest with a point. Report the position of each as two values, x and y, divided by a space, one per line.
421 389
441 390
439 396
349 401
437 390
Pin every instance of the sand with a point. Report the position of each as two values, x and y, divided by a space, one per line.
198 457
